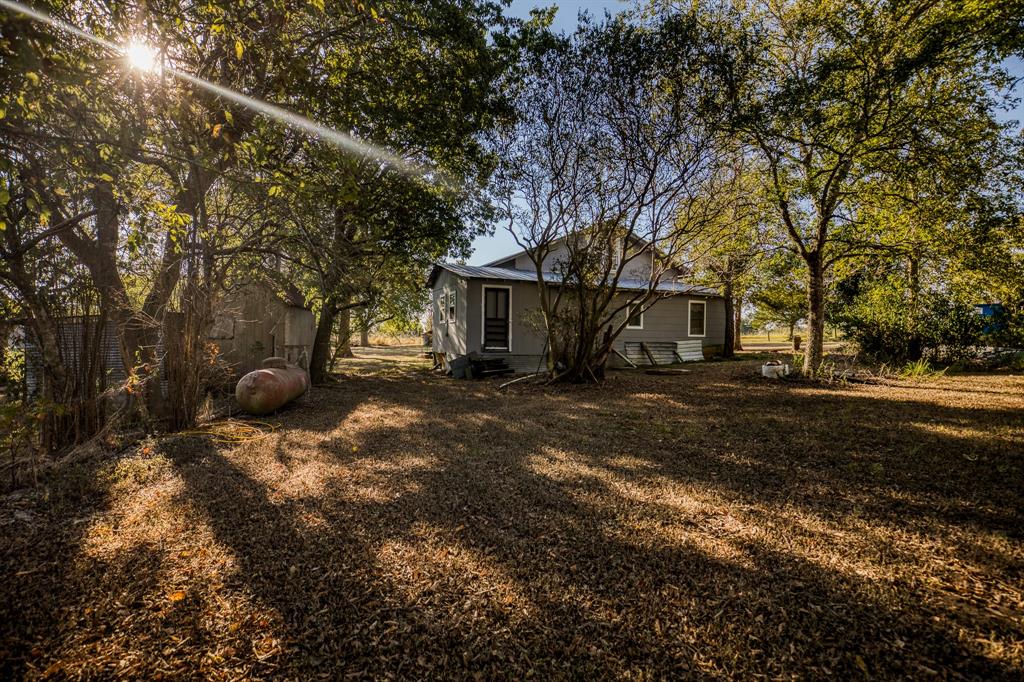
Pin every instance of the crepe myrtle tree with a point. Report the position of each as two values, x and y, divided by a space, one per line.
607 174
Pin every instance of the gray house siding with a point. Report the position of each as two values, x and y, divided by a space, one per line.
637 267
558 255
527 345
454 339
450 336
666 321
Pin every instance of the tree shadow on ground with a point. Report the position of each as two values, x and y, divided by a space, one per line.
598 579
38 560
414 527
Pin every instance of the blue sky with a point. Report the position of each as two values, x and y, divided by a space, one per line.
568 10
486 249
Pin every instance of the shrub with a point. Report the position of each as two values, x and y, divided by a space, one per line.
920 369
951 329
12 374
1006 330
887 327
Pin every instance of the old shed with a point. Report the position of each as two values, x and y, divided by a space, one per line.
252 323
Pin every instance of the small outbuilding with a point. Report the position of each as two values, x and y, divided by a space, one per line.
252 323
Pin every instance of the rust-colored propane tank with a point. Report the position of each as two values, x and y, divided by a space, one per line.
269 388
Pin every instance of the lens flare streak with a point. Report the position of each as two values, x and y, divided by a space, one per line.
134 53
293 120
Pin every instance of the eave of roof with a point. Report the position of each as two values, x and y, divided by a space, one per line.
510 275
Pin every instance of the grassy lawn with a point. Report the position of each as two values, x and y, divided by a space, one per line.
401 523
780 341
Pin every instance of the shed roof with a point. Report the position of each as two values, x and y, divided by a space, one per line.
510 275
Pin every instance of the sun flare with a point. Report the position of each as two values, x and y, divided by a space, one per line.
142 57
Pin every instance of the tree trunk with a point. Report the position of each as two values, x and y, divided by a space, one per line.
364 336
737 343
915 348
731 333
815 312
345 334
322 342
792 326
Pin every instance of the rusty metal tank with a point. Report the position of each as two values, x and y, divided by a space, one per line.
274 385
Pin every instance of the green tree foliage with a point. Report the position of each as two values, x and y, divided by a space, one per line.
420 80
887 325
730 254
778 293
148 191
395 301
843 98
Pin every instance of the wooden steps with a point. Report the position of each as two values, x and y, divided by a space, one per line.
493 372
476 366
488 367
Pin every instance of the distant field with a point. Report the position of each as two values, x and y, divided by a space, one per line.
782 337
781 341
393 340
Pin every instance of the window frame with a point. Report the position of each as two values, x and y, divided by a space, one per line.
442 304
689 319
453 310
629 322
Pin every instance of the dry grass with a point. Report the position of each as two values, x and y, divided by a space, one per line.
403 524
392 340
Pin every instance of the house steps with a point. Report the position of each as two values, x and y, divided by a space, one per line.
476 366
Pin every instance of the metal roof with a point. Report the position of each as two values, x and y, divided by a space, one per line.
510 275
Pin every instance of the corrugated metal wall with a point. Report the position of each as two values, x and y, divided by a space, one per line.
77 336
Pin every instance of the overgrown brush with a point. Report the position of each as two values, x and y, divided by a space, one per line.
917 369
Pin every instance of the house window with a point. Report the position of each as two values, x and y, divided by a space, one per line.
451 307
442 308
698 317
635 317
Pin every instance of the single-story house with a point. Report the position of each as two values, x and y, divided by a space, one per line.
493 311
